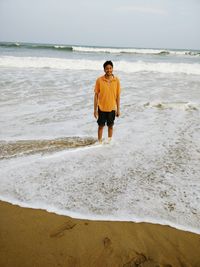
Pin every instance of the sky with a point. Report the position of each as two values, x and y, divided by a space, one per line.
118 23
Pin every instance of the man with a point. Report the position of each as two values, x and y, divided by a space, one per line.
106 100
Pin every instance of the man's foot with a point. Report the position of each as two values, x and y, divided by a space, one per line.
107 141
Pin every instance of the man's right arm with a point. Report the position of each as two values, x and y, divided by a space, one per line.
95 105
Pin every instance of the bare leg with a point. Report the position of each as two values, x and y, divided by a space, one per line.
100 133
110 132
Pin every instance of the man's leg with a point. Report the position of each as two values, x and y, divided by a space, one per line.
101 122
110 123
110 131
100 133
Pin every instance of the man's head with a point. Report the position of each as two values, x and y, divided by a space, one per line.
108 67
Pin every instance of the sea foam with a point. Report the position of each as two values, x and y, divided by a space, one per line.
81 64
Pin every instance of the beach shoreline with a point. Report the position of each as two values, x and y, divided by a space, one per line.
31 237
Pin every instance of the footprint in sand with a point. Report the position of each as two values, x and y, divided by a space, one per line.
59 232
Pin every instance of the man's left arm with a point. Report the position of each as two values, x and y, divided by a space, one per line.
118 99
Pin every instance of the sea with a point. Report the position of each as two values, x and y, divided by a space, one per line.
49 155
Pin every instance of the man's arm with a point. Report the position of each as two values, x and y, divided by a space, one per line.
118 106
118 99
95 105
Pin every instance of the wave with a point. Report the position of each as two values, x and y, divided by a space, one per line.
111 50
36 46
26 147
146 51
81 64
119 50
173 105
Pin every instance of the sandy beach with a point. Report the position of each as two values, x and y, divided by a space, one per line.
37 238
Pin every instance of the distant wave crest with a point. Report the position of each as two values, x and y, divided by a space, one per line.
119 50
36 46
111 50
134 51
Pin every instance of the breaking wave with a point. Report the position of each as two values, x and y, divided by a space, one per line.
36 46
173 105
93 49
146 51
81 64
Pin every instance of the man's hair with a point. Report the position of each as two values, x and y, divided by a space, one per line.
107 63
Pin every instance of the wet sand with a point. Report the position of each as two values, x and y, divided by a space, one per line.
37 238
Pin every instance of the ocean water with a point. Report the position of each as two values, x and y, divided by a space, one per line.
49 157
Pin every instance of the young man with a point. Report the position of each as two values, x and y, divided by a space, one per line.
106 100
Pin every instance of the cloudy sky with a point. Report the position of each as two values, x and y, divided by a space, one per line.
128 23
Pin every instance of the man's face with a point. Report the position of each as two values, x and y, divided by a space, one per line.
108 70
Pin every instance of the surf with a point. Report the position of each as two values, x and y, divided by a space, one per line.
100 49
80 64
185 106
35 46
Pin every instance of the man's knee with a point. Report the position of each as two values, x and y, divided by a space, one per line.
101 127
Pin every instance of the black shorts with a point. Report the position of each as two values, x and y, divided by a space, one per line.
106 117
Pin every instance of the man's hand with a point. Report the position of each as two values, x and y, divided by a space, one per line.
96 114
117 113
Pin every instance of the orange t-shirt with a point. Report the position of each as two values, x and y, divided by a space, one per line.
107 91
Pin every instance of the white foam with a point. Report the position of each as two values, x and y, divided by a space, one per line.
186 106
60 46
147 51
117 50
75 215
80 64
150 174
